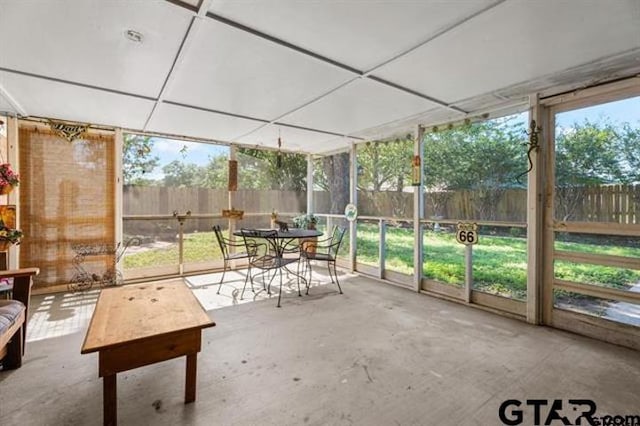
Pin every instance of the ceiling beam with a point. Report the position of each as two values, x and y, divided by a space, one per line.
187 40
215 111
77 84
283 43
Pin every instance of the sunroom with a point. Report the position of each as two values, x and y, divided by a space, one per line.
479 160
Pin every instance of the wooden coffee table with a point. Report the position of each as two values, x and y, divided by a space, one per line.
142 324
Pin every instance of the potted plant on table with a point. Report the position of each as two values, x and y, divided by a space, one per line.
8 178
305 221
9 236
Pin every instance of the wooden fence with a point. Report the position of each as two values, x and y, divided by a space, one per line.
605 203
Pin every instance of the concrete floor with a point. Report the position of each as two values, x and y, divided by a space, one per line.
376 355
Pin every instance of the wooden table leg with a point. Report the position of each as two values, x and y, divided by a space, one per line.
190 383
110 400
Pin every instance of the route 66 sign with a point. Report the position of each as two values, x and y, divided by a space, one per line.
467 233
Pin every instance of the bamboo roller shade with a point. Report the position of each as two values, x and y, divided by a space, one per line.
66 197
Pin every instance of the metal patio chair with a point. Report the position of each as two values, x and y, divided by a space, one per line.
224 244
325 251
266 253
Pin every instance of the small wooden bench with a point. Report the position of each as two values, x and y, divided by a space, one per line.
13 317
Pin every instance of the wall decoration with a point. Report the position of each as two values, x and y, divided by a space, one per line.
416 171
69 131
351 212
233 175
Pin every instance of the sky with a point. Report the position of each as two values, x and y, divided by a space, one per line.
169 150
626 110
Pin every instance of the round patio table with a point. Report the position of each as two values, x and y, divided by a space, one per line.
283 239
290 234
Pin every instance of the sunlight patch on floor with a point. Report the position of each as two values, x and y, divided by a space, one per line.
60 314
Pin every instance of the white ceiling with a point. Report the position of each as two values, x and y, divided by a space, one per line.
318 74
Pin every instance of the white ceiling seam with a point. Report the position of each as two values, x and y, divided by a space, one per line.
282 43
435 36
293 126
257 120
182 51
56 100
167 80
76 83
11 101
277 119
361 104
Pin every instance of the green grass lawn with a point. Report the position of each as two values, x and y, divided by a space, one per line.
198 246
499 262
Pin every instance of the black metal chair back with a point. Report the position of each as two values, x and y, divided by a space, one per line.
270 237
223 247
227 255
266 254
336 241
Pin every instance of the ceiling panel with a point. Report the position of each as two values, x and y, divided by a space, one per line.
176 120
359 105
360 34
84 41
517 41
229 70
45 98
292 139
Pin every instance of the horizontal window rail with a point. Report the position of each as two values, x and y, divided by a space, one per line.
597 291
495 223
598 259
602 228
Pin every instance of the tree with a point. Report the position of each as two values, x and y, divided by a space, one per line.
336 170
273 170
385 165
484 158
384 169
215 174
592 153
137 159
481 155
630 152
177 173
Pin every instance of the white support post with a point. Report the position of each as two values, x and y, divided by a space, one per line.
535 219
382 252
14 196
118 224
418 215
232 198
468 272
353 199
310 206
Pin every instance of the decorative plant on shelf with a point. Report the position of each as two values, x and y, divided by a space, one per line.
9 236
305 221
8 178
